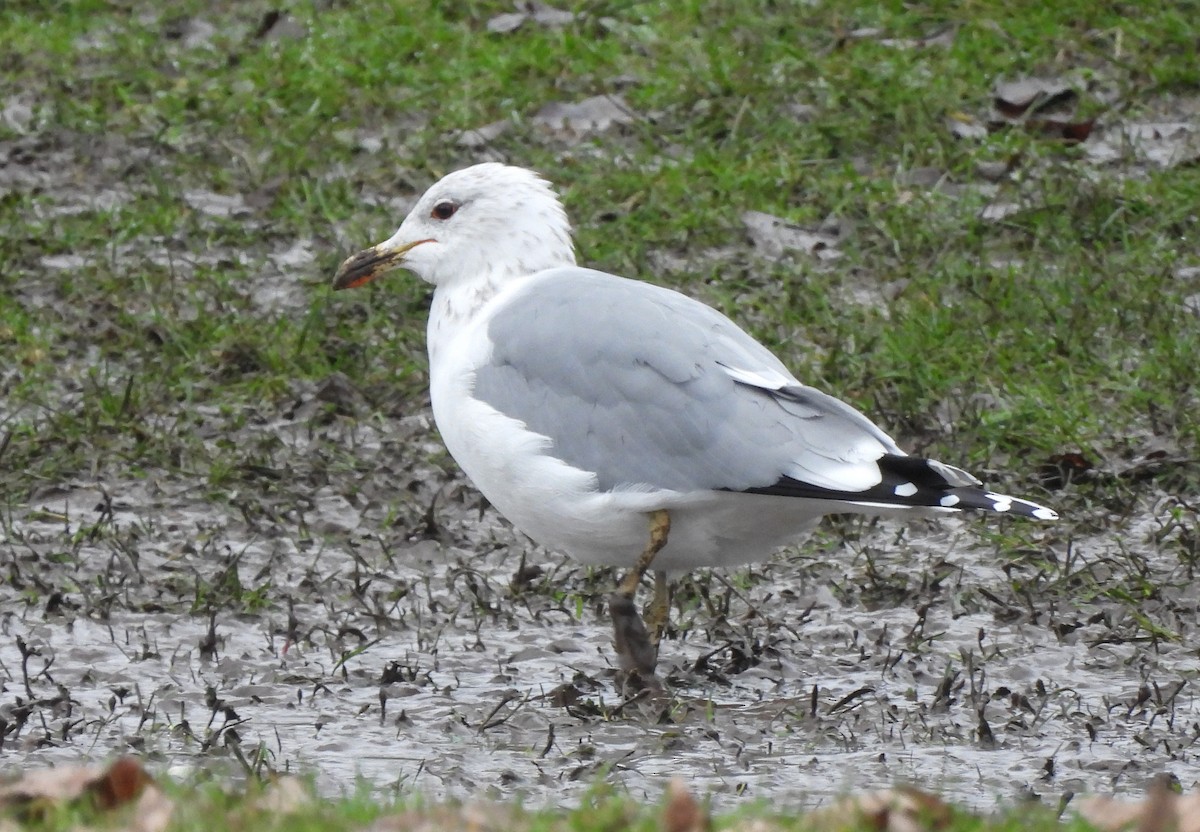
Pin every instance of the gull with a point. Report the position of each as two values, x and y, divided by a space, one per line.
624 423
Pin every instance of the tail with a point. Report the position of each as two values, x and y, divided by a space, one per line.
912 482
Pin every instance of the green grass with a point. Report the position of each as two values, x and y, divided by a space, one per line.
1082 339
290 806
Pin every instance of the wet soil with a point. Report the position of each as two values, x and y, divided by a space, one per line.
382 626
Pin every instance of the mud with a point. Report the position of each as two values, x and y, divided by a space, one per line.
377 626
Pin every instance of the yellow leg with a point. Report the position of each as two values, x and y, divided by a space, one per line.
660 527
636 649
658 611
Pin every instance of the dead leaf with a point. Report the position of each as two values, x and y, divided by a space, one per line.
338 390
482 136
963 126
588 117
683 813
1069 131
1062 469
995 171
216 205
113 785
529 12
121 784
1163 144
997 211
284 796
1108 814
64 261
1040 105
16 114
943 38
192 32
876 33
1152 462
773 236
277 25
474 817
1161 810
865 33
755 825
894 810
1027 96
53 784
922 177
152 812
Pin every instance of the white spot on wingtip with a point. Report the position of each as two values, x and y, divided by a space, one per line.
905 489
1043 513
1000 502
949 501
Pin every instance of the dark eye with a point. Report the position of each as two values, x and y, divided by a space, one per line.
444 209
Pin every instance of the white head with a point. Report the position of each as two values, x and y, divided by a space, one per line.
488 221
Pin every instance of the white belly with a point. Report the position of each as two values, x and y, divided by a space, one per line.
560 507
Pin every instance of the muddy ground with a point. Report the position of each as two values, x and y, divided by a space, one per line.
295 628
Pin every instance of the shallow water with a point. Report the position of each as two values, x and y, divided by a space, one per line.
879 653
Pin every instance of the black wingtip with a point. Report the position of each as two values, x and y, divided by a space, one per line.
983 500
912 482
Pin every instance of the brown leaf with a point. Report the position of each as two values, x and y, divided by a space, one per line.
124 783
895 810
1072 132
1061 469
683 813
121 784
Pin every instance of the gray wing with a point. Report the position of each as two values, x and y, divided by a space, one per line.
649 388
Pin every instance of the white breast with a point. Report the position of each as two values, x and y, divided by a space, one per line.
558 505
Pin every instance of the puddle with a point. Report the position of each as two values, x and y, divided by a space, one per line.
348 647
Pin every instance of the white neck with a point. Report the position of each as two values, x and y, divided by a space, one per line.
456 305
464 288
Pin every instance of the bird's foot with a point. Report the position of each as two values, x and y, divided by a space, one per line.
636 654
